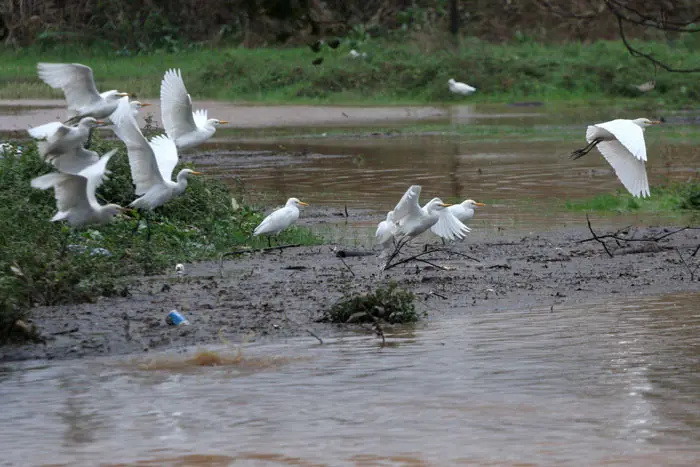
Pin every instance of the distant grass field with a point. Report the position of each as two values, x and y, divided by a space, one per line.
413 72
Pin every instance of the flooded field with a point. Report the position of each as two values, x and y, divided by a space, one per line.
600 383
575 367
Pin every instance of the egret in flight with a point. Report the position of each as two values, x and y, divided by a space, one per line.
621 142
63 146
75 194
412 220
186 128
78 85
151 164
460 88
463 211
279 219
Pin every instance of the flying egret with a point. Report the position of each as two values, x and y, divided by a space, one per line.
462 211
412 219
151 163
460 88
75 194
186 128
621 142
63 146
386 230
78 85
279 219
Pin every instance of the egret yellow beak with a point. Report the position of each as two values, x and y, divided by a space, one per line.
479 204
145 105
124 94
655 122
100 122
196 173
445 205
303 203
223 122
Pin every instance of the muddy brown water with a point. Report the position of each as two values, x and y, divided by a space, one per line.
600 383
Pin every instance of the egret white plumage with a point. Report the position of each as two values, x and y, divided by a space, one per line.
280 219
412 219
463 211
622 144
78 85
386 230
185 127
75 194
63 146
460 88
152 163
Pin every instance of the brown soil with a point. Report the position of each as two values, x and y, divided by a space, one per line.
283 293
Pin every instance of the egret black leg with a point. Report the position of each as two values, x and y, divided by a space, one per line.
582 152
89 140
148 226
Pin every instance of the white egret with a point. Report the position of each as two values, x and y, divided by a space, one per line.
78 85
63 146
460 88
412 219
75 194
621 142
188 129
462 211
151 164
280 219
355 54
386 230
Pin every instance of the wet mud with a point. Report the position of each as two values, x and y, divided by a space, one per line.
280 294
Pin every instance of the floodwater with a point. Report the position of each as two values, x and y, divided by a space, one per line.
602 383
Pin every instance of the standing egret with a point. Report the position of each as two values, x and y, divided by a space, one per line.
186 128
386 230
460 88
279 219
75 194
63 145
621 142
78 85
412 219
152 164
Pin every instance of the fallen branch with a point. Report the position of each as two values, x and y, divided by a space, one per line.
251 250
349 253
302 327
346 265
418 258
687 266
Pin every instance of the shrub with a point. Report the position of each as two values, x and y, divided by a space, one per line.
389 304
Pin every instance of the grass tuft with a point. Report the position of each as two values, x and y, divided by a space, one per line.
389 304
664 198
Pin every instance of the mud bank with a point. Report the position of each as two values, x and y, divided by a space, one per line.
280 294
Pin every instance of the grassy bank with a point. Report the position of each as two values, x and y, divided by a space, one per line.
674 197
47 263
415 72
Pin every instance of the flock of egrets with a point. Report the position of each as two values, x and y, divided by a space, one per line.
80 171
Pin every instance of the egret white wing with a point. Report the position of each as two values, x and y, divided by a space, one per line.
165 152
408 204
630 170
200 117
629 134
142 161
95 175
449 227
76 80
176 105
277 221
76 161
70 190
44 131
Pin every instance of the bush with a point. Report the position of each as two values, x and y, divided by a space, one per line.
389 304
48 263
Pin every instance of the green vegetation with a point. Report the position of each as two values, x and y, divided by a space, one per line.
46 263
664 198
393 72
388 304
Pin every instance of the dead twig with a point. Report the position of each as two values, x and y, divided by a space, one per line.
418 258
346 265
691 271
302 327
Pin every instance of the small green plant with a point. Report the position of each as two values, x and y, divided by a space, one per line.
664 198
389 304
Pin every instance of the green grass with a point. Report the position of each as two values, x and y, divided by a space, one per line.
389 304
412 72
47 263
674 197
